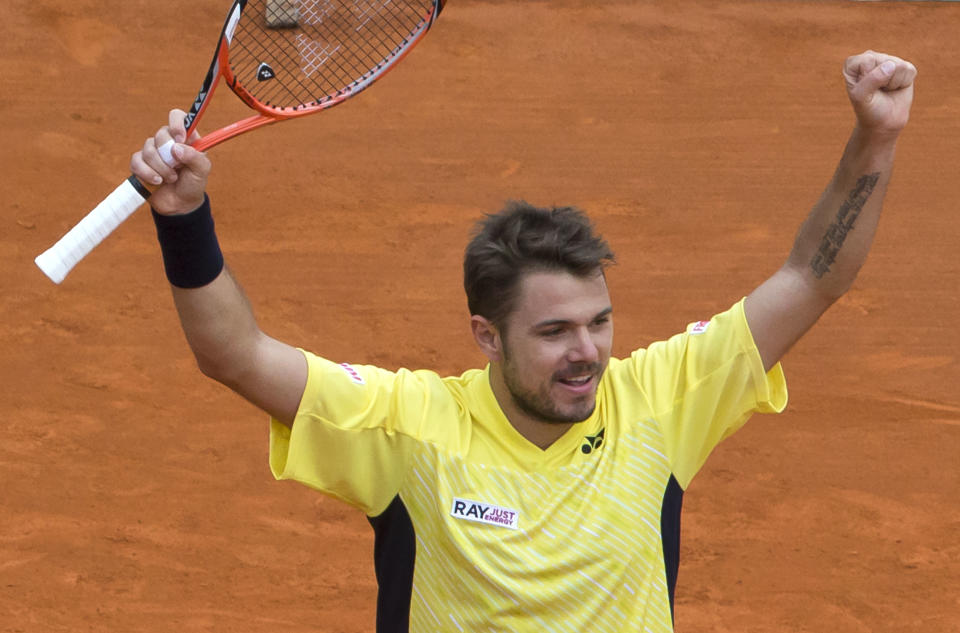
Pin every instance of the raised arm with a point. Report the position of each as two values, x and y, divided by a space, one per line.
216 317
833 242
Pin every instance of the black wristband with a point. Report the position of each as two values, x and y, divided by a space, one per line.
191 253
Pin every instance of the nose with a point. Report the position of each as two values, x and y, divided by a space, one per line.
583 348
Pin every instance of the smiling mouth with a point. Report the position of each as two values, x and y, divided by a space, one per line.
578 381
581 384
579 376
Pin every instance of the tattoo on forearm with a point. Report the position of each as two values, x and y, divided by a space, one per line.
846 217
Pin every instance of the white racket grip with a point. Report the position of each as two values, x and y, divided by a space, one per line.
58 260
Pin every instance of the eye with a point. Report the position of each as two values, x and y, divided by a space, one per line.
552 332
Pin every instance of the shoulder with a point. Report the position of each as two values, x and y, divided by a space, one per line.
680 361
722 334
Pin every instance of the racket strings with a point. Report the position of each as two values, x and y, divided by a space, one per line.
297 53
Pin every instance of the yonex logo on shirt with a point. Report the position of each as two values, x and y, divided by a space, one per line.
699 327
484 513
591 442
353 373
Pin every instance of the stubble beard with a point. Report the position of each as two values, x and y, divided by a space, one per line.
540 405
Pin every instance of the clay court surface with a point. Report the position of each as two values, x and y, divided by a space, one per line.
136 494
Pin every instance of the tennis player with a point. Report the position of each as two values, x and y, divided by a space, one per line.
543 491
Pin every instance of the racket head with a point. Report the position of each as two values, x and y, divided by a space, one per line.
291 58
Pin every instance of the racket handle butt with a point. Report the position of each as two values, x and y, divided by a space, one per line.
51 265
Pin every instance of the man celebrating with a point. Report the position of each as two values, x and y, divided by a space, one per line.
543 492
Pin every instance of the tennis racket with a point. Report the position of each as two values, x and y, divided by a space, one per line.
284 59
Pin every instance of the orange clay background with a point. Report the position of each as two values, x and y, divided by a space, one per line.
136 494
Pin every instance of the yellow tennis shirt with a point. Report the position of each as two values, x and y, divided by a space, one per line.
477 529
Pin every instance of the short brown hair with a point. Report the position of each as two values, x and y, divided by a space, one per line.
523 238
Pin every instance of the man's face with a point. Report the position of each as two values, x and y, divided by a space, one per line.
556 345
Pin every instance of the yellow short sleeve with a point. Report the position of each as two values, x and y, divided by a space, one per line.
704 384
353 432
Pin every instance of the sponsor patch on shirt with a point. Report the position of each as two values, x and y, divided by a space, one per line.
353 373
699 327
485 513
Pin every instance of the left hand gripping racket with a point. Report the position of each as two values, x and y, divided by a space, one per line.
284 59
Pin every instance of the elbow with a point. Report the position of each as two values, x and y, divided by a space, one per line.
229 364
830 293
835 284
212 367
222 372
826 282
220 364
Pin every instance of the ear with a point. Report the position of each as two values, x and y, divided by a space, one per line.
487 336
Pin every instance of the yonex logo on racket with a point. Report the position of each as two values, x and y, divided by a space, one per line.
195 109
265 72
